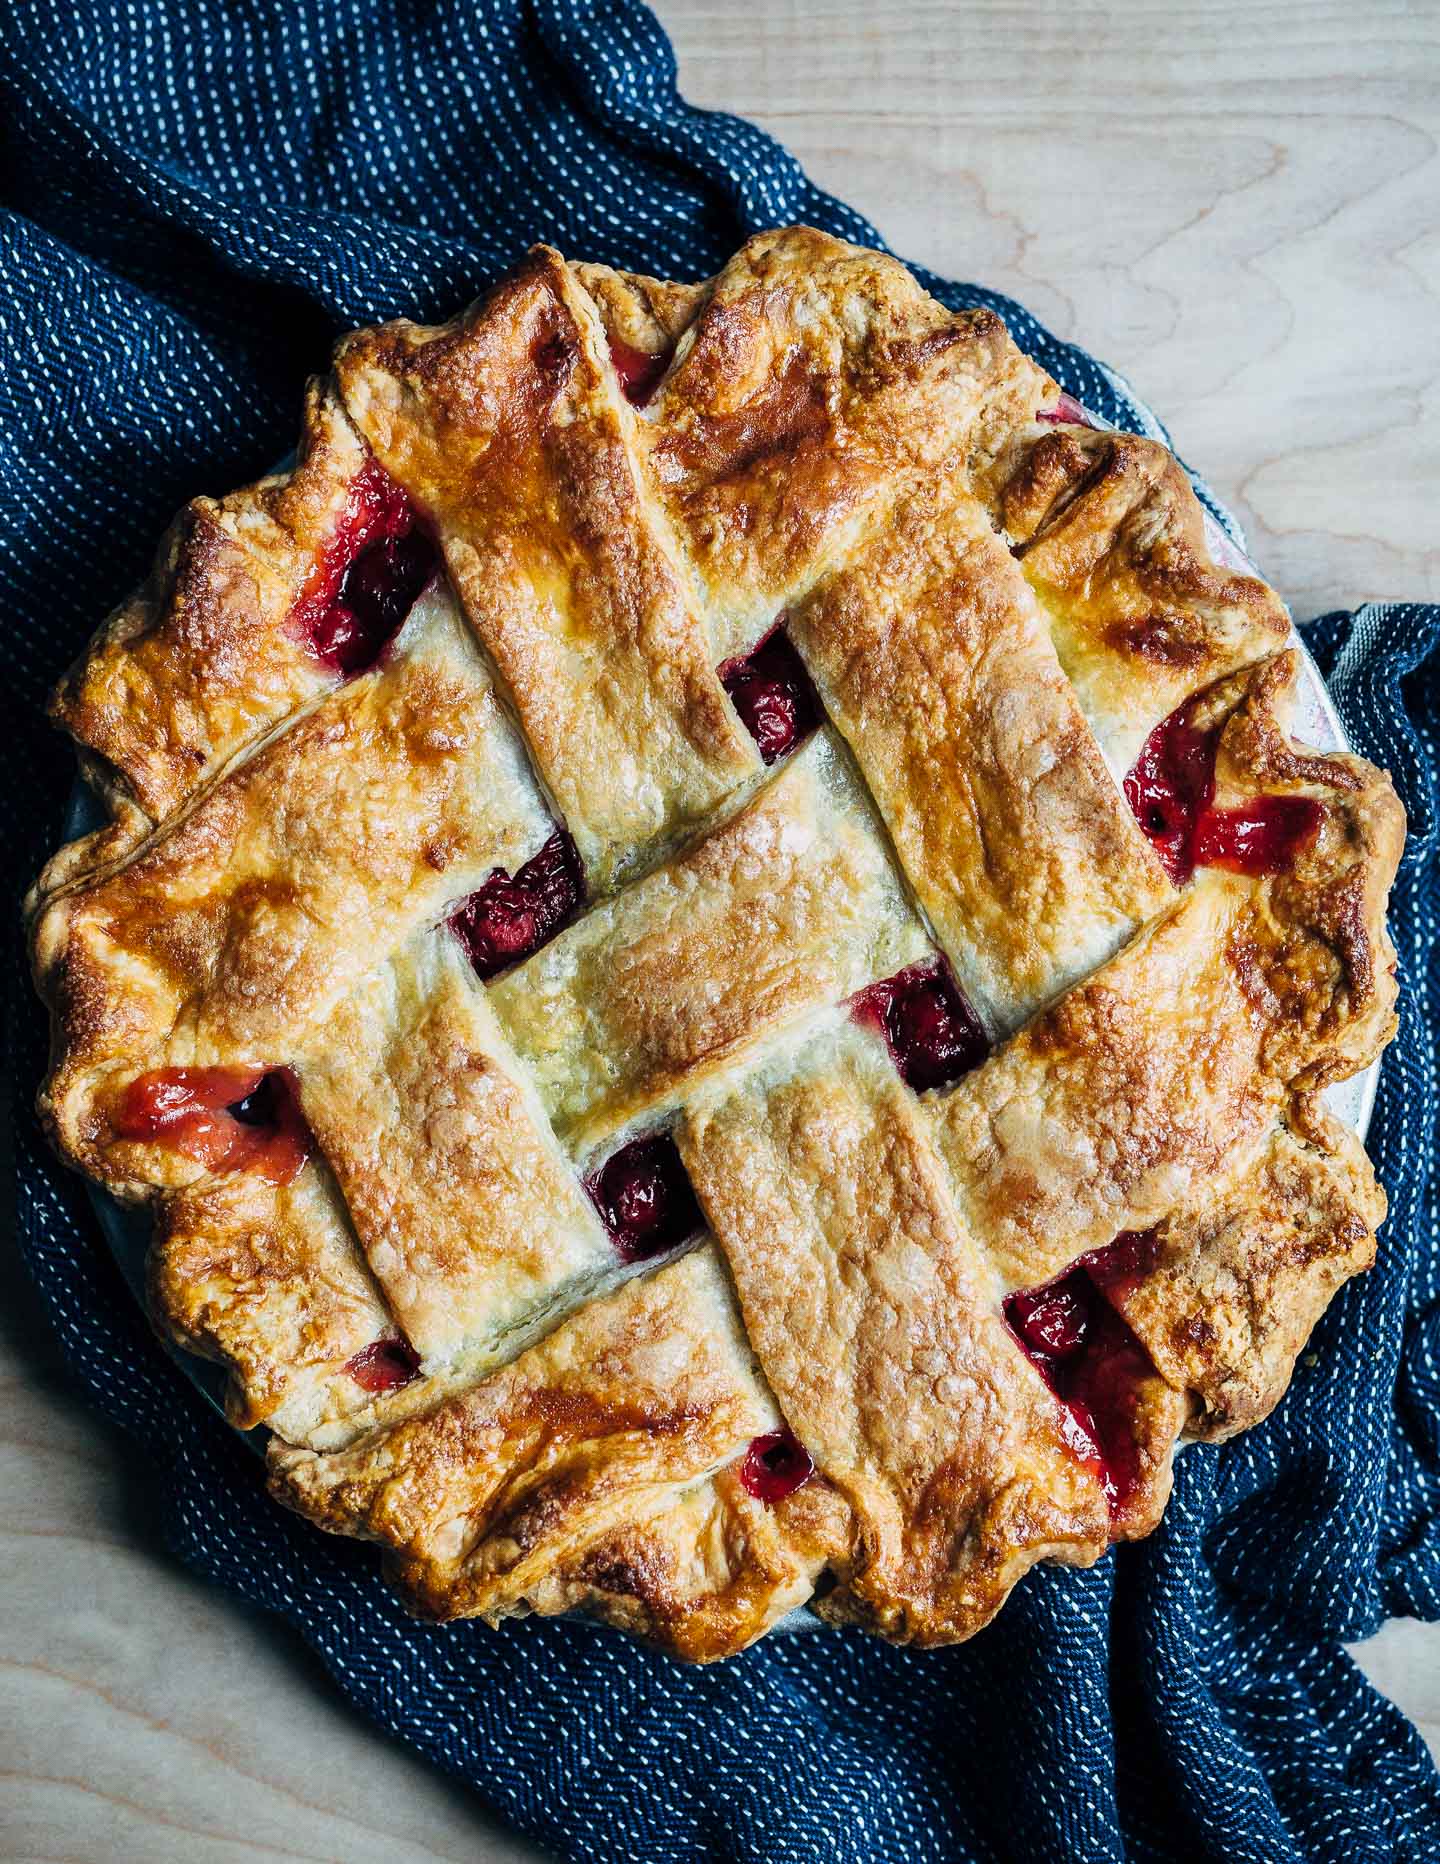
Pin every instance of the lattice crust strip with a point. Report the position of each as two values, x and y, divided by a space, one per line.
666 1064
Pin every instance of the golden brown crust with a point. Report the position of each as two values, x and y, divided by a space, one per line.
931 658
619 1411
877 1323
200 661
779 912
125 826
1242 1275
274 883
469 1214
815 374
1099 1117
1174 1060
234 929
707 1576
1313 958
508 427
649 314
1111 538
264 1278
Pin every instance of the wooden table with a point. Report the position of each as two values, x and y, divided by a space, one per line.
1241 208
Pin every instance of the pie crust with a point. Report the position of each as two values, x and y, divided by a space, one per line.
714 960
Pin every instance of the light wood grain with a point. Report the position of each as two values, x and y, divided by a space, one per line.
1236 205
145 1718
1239 206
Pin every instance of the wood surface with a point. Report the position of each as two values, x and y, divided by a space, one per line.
1238 205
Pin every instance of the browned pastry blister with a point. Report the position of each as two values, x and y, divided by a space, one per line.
731 1107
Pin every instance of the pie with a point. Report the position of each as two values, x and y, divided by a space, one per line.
713 958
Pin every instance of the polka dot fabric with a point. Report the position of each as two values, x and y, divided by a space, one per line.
202 196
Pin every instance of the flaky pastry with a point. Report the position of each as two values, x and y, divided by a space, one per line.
713 958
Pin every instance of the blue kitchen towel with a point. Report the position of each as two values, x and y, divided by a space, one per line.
201 194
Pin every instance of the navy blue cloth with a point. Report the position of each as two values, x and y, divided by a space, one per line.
202 193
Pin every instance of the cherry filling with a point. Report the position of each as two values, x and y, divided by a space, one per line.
1171 792
775 1466
1169 787
639 370
933 1034
508 918
369 574
1260 837
1125 1263
1090 1359
1052 1321
384 1366
230 1119
644 1198
1067 411
771 691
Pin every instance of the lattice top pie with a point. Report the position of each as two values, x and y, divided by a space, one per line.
713 958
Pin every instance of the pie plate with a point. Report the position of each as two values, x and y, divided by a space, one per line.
1315 722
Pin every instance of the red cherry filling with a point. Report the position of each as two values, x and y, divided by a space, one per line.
1171 793
1170 785
368 576
1260 837
507 919
1067 412
1102 1393
1051 1321
775 1466
1122 1264
644 1198
1090 1359
771 691
639 370
933 1034
384 1366
229 1119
